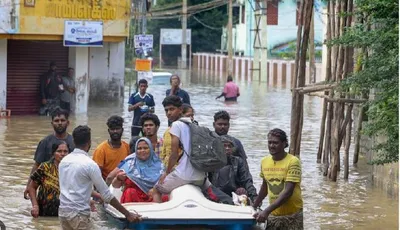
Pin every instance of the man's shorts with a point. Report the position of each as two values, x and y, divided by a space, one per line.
78 222
173 181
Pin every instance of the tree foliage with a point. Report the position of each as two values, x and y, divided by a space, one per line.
203 38
377 35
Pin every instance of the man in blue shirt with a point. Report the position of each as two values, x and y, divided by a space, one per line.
175 90
140 103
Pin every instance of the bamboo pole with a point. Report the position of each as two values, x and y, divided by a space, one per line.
296 111
332 15
343 126
311 72
324 141
316 88
358 126
322 132
340 100
333 170
328 145
347 143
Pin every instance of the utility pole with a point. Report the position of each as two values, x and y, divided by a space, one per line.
184 27
144 20
230 35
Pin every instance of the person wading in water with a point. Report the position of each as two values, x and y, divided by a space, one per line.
231 91
281 175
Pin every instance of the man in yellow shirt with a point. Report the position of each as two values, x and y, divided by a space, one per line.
173 113
281 174
112 151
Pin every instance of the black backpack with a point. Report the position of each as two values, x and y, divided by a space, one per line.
207 149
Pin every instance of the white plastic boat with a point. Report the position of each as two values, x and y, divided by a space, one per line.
187 207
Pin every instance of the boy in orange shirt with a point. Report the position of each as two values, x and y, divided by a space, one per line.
112 151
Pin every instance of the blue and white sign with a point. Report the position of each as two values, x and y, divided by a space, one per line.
144 41
83 33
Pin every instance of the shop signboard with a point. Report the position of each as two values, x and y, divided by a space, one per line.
143 65
174 36
83 33
144 41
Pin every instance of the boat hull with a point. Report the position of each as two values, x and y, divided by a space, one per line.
187 207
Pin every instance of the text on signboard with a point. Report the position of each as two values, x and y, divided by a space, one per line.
59 10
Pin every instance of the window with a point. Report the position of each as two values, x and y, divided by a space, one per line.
272 12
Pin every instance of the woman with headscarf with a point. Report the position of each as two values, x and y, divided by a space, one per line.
235 176
188 111
45 178
139 172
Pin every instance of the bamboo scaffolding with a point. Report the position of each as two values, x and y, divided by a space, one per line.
338 103
296 124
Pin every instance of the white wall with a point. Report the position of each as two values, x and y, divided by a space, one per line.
79 60
107 70
286 30
3 73
9 20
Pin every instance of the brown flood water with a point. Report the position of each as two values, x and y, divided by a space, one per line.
349 204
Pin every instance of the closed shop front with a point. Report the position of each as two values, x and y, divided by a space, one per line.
26 62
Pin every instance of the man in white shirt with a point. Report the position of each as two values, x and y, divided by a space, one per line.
77 175
184 172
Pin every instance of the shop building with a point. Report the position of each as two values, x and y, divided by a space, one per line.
31 36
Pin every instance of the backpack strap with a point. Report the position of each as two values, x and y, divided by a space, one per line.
180 143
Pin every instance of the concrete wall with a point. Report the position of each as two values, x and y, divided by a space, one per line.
286 30
384 177
78 59
3 73
281 71
9 20
106 71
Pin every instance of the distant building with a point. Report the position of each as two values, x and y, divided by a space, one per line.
281 25
31 36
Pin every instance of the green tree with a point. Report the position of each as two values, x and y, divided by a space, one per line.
378 36
203 38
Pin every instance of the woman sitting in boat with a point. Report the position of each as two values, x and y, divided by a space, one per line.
45 178
138 173
235 176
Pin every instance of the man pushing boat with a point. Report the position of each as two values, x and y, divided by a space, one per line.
281 175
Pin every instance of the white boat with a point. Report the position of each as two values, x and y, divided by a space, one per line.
187 207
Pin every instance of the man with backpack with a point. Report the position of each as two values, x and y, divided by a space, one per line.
184 172
181 137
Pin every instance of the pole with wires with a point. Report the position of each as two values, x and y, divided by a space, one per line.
184 27
230 54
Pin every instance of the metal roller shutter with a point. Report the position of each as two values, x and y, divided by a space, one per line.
26 62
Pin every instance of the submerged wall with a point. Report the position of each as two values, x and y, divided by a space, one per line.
384 177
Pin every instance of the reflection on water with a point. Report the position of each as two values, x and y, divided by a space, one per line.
327 205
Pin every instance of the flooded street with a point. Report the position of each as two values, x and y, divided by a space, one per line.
261 107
